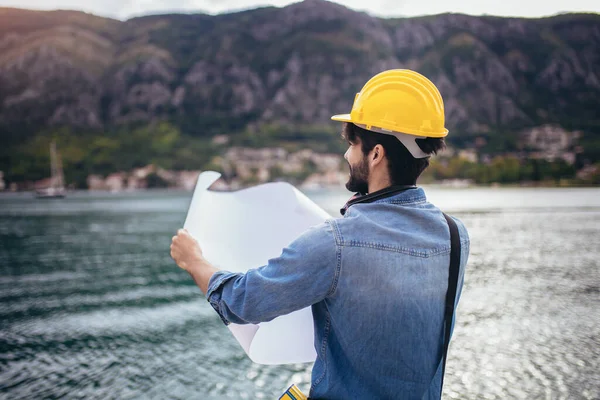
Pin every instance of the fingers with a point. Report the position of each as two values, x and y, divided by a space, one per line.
182 232
176 255
183 246
173 248
176 243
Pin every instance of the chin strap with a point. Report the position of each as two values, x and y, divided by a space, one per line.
409 141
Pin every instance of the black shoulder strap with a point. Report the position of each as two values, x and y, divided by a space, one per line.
452 288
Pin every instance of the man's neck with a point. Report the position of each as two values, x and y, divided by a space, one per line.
378 184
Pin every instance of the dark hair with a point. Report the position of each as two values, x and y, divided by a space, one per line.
404 169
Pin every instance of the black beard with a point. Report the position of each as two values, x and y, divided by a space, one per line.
359 176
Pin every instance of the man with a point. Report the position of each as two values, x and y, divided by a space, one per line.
377 278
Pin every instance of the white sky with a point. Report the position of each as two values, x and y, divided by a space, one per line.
123 9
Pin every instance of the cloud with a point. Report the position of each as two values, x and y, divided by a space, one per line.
123 9
193 6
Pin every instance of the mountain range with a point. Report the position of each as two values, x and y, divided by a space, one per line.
291 68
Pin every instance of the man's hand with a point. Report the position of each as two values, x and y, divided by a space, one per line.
186 251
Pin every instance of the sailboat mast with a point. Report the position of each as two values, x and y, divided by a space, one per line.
53 166
60 176
57 180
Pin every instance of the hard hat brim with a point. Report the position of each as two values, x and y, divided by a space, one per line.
348 118
342 118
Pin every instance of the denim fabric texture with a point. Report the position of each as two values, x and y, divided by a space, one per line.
376 280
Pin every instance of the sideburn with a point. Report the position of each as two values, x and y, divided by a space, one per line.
359 177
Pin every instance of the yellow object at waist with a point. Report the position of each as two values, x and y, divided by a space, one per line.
293 393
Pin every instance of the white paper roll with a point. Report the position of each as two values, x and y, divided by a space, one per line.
244 229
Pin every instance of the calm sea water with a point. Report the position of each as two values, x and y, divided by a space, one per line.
92 306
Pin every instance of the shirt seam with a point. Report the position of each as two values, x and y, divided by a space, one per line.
414 200
338 255
409 201
323 350
339 239
399 249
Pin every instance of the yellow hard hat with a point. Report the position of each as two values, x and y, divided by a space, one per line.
398 101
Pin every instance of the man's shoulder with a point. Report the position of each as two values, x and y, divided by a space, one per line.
351 227
462 230
321 236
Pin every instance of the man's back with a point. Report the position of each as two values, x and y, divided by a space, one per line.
376 280
379 333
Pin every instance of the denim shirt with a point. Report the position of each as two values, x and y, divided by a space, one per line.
376 280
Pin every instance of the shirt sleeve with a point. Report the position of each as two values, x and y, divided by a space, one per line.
305 273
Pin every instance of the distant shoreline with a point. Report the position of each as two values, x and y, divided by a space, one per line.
437 185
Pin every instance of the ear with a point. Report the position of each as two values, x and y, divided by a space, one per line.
377 155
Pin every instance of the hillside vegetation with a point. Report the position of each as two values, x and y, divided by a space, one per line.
158 88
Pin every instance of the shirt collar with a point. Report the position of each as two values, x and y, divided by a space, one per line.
387 192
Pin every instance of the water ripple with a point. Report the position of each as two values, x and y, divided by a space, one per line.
91 305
